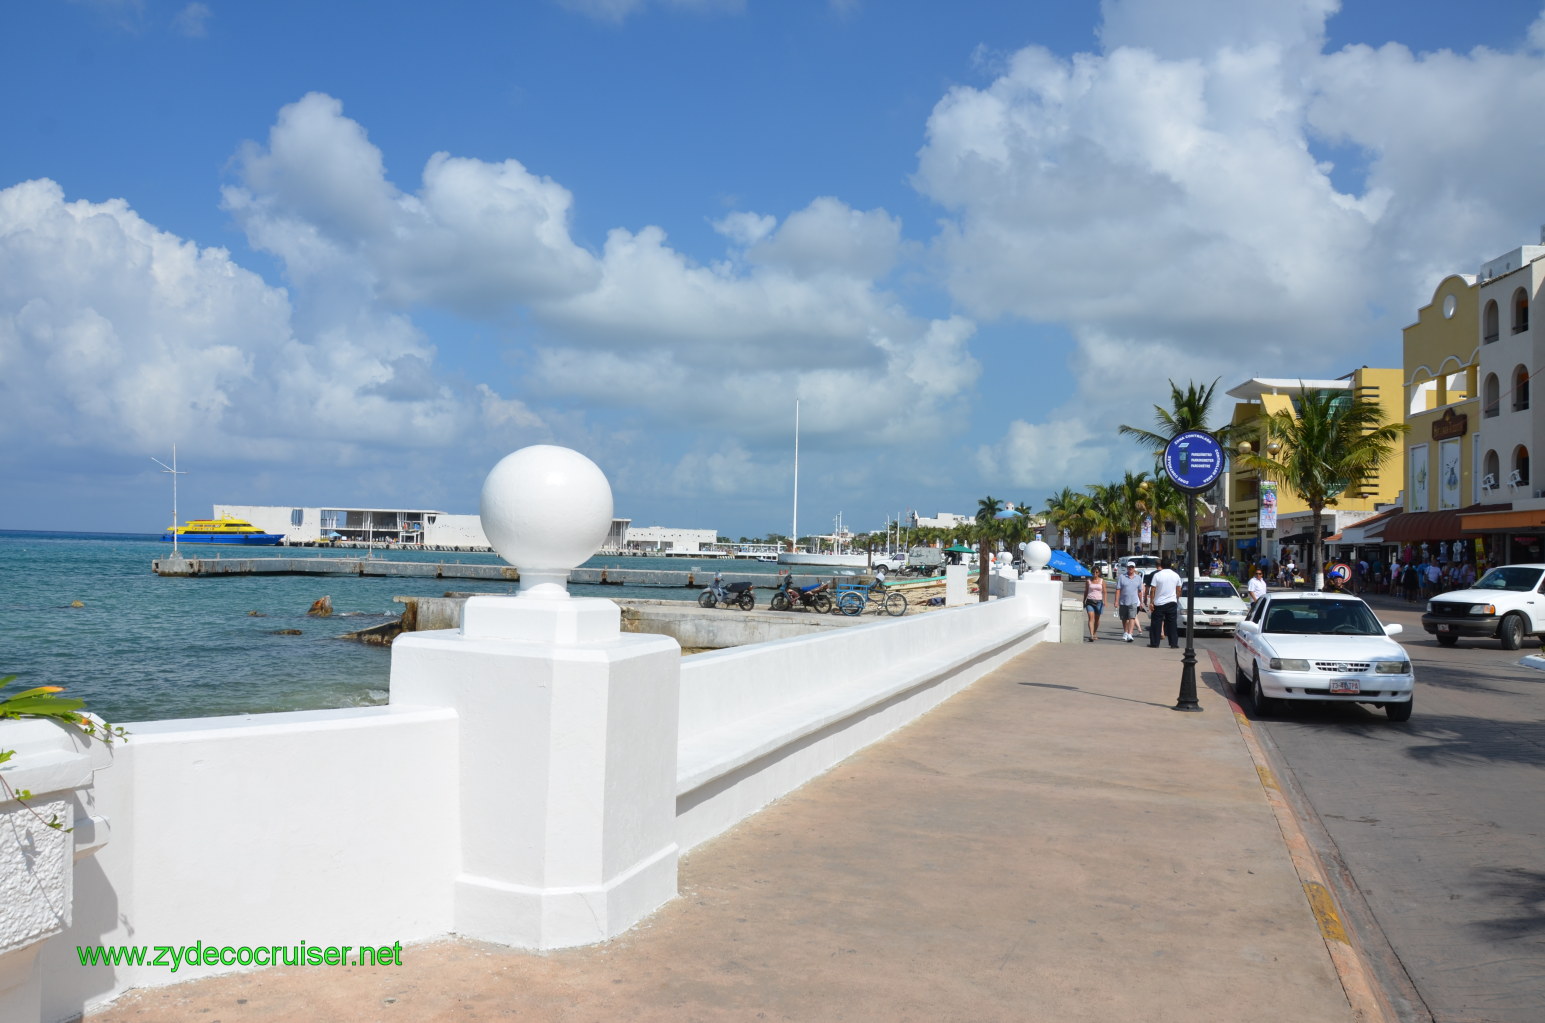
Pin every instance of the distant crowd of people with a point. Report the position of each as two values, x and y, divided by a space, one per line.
1416 579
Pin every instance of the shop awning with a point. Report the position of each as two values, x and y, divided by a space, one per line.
1306 536
1418 527
1494 519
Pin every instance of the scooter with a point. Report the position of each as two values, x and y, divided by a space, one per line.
734 595
810 598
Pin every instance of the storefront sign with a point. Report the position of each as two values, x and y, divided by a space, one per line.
1450 424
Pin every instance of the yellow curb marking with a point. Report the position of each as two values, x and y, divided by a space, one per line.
1367 1002
1324 909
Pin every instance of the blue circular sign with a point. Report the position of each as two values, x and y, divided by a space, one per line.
1193 460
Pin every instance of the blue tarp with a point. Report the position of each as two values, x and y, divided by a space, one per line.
1062 561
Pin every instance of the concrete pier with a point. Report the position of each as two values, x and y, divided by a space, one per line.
695 577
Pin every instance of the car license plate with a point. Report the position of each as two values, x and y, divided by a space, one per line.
1217 621
1442 628
1345 685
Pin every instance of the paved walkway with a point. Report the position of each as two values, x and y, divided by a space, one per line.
1055 844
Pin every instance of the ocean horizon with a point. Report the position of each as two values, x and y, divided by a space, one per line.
83 610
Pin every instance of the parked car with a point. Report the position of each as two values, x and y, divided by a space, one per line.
1328 647
1507 603
1219 608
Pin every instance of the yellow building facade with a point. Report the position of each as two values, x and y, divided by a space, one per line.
1442 358
1250 526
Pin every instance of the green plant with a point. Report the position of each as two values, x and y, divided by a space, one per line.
45 702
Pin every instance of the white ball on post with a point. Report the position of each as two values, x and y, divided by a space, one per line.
545 510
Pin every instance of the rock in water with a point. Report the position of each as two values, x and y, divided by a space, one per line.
322 608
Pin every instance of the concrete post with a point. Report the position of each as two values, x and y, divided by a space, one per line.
955 589
568 729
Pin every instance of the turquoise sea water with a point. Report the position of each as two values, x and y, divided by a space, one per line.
142 647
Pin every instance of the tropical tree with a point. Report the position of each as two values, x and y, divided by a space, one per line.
1334 443
1063 513
986 532
1190 409
1130 503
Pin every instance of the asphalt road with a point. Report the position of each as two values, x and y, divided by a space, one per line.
1435 824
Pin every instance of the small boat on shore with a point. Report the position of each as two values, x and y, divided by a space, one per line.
224 530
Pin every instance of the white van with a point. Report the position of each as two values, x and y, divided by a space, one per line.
1145 563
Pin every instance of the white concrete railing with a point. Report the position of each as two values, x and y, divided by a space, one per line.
263 829
277 828
532 782
759 721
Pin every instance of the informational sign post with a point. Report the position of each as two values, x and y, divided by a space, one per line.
1193 461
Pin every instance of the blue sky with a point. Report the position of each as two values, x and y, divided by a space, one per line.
352 254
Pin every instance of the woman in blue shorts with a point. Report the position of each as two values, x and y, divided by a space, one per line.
1094 604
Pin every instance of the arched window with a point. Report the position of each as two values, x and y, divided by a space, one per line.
1490 469
1489 399
1520 311
1520 388
1520 474
1489 329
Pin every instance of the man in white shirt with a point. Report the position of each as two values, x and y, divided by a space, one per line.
1257 587
1164 605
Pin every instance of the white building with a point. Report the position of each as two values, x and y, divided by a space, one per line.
379 525
943 520
669 539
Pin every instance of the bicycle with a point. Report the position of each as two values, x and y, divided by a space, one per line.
855 598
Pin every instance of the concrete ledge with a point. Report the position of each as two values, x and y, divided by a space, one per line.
729 770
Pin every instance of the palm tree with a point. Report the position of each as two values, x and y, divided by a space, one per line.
1103 513
1335 442
1063 510
1132 504
986 532
1189 410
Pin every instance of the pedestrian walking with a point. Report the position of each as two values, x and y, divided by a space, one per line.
1164 605
1094 604
1129 597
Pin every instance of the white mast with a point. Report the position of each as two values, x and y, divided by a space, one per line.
175 473
794 540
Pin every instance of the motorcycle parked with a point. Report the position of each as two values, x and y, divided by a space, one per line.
734 595
809 598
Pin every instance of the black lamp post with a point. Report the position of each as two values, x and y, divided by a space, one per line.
1187 700
1193 461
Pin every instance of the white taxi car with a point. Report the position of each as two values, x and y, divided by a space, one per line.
1219 608
1328 647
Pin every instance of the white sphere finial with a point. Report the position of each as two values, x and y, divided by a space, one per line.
545 509
1037 554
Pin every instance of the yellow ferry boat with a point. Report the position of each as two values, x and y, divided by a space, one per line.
222 530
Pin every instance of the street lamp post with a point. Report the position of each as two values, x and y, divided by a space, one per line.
1244 448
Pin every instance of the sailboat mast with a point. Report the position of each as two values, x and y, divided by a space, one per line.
794 539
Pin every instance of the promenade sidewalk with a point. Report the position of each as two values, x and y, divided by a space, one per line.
1054 844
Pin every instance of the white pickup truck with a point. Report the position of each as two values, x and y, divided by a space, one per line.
1507 603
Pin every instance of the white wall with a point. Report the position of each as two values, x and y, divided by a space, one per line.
343 827
264 829
759 721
